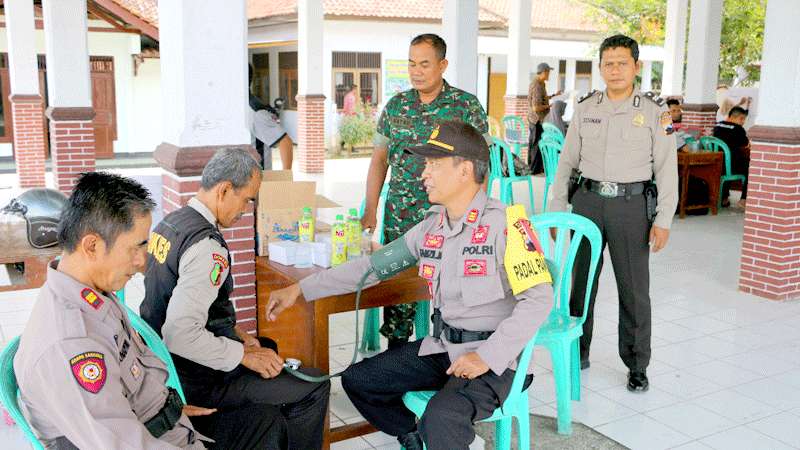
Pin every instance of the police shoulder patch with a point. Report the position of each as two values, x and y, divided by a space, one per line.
91 297
89 370
587 96
217 269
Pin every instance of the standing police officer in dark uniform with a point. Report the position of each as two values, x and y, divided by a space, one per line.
188 284
618 141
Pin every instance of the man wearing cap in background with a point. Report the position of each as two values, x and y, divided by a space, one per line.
461 247
538 108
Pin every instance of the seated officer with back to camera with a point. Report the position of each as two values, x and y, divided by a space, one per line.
188 285
86 378
480 326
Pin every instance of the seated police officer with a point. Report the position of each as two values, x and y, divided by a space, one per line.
480 326
188 284
86 378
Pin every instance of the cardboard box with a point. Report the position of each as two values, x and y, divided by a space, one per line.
280 205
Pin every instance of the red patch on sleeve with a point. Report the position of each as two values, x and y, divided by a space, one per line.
479 236
474 267
218 258
428 271
89 370
91 297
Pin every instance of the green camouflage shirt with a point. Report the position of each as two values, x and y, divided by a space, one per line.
407 122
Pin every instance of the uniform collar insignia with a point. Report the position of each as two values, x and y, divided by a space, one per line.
637 101
91 297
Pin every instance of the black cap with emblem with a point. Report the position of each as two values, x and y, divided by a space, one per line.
454 138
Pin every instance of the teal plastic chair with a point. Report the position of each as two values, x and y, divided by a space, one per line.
371 339
710 143
561 332
516 132
552 131
9 392
551 151
560 326
157 346
506 183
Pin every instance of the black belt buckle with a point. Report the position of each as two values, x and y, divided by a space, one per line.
168 416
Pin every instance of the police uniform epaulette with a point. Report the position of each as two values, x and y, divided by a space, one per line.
591 93
650 95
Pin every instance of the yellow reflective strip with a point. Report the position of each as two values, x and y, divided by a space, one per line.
441 144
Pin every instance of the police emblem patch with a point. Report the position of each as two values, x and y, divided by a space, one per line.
91 297
638 119
219 258
428 271
479 236
474 267
216 273
433 240
472 216
89 370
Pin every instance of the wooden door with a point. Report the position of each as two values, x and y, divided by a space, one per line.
497 91
104 104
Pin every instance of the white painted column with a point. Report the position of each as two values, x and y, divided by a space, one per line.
674 47
519 52
569 82
310 15
203 105
779 91
274 76
555 76
482 91
460 32
23 70
705 27
647 76
65 30
597 79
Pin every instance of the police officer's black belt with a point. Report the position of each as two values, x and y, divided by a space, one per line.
166 419
459 336
610 189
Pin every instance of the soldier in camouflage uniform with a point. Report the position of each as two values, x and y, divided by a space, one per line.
407 121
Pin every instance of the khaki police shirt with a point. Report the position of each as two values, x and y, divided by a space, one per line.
463 265
86 375
623 143
184 328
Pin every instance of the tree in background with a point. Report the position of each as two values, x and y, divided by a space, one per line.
742 31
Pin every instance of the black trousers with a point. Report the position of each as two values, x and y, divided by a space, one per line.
535 160
257 413
376 387
625 229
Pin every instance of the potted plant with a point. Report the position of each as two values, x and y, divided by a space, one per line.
358 129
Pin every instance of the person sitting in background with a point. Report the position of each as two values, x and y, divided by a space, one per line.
556 115
731 131
676 112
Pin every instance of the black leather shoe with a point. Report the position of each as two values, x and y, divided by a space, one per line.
637 381
411 441
585 364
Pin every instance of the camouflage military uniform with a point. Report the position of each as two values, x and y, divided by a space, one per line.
407 122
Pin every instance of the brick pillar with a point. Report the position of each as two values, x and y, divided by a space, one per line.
181 181
28 118
310 157
770 264
71 145
517 105
702 116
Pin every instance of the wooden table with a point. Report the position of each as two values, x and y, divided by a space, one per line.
27 268
302 330
708 167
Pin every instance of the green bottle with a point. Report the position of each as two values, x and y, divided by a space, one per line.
353 235
305 232
338 241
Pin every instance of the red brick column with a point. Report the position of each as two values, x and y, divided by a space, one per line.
703 116
71 145
310 157
28 118
181 181
517 105
770 264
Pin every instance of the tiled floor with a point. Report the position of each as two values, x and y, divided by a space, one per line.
725 370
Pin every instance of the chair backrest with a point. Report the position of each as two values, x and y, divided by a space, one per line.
713 144
561 253
9 391
157 346
550 150
496 161
381 205
550 129
515 130
495 130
